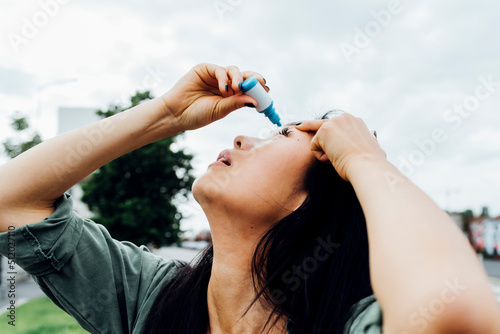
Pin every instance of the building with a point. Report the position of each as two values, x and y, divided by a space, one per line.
73 118
485 234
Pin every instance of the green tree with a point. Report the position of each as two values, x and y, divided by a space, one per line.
25 140
134 195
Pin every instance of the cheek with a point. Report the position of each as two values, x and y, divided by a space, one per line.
285 177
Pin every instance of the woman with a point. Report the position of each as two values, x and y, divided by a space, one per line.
290 242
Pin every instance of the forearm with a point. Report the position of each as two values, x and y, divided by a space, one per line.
416 250
35 179
30 183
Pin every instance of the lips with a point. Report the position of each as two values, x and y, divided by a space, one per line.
225 157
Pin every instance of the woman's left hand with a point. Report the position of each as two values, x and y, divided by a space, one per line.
343 140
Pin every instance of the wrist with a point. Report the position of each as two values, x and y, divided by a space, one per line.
369 164
146 122
161 120
167 110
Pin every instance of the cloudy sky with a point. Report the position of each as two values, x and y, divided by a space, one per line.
424 74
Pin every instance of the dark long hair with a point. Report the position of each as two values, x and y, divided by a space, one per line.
310 267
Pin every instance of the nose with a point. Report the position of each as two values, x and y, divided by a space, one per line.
244 142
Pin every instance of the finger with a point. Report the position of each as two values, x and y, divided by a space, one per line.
319 153
310 125
317 150
321 156
235 76
223 80
262 81
229 104
213 75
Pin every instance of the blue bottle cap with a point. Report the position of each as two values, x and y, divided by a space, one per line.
249 84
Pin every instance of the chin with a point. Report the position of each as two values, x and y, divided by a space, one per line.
195 189
205 189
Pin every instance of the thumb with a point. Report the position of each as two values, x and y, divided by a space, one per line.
229 104
317 150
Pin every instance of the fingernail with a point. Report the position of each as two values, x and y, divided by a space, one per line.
297 124
240 84
264 80
268 88
249 105
375 133
227 88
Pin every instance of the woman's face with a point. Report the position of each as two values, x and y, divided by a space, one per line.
261 180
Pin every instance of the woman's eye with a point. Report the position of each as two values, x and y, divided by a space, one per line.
284 132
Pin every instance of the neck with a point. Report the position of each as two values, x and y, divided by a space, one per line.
230 293
230 289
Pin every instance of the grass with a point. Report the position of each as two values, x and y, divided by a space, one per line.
40 316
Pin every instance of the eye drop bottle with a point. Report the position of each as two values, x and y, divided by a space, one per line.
253 88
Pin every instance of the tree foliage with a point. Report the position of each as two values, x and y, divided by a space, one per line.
25 139
467 215
134 195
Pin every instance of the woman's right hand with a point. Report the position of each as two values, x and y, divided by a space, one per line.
343 140
205 94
